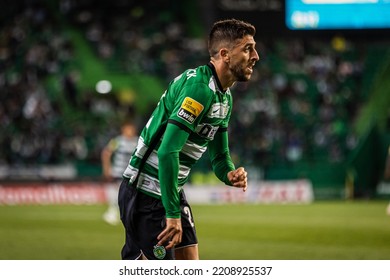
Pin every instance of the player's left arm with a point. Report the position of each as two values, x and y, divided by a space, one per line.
222 163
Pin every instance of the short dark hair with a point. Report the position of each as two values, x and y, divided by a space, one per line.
227 32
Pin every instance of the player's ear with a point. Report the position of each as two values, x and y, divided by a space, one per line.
224 53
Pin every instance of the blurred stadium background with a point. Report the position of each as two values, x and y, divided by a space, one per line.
312 126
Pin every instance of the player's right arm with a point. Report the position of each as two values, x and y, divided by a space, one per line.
168 156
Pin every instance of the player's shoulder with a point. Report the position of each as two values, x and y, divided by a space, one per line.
194 83
198 75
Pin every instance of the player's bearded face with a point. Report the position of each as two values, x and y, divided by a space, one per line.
240 72
243 58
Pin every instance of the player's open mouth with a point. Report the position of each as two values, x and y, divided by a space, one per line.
250 68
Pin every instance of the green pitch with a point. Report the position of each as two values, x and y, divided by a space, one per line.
323 230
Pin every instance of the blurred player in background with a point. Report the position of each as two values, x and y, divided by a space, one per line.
115 158
191 116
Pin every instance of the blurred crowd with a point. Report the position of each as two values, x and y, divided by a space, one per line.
300 104
148 38
32 49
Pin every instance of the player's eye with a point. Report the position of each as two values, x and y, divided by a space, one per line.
249 48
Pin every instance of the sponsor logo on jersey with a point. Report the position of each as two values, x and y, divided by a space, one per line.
206 130
218 110
159 252
191 73
190 109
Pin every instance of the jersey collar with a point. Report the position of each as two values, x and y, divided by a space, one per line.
216 77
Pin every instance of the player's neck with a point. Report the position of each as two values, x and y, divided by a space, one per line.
221 72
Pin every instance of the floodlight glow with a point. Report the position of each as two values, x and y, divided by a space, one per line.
103 87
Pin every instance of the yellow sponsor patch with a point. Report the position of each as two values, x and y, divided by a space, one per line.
190 109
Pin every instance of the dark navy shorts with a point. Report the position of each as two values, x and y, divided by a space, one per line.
143 217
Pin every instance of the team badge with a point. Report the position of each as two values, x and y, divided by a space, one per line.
159 252
189 110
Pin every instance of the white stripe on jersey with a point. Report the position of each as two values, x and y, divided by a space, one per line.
184 171
141 150
193 150
145 182
190 149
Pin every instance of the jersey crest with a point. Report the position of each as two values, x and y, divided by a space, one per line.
159 252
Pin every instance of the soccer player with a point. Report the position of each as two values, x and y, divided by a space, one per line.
115 158
191 116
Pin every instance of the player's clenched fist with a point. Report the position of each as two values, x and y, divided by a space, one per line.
238 178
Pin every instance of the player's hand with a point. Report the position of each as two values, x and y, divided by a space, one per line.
238 178
172 233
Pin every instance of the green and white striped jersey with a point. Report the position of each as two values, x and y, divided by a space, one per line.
193 101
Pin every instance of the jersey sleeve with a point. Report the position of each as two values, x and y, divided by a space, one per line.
173 141
220 156
190 105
